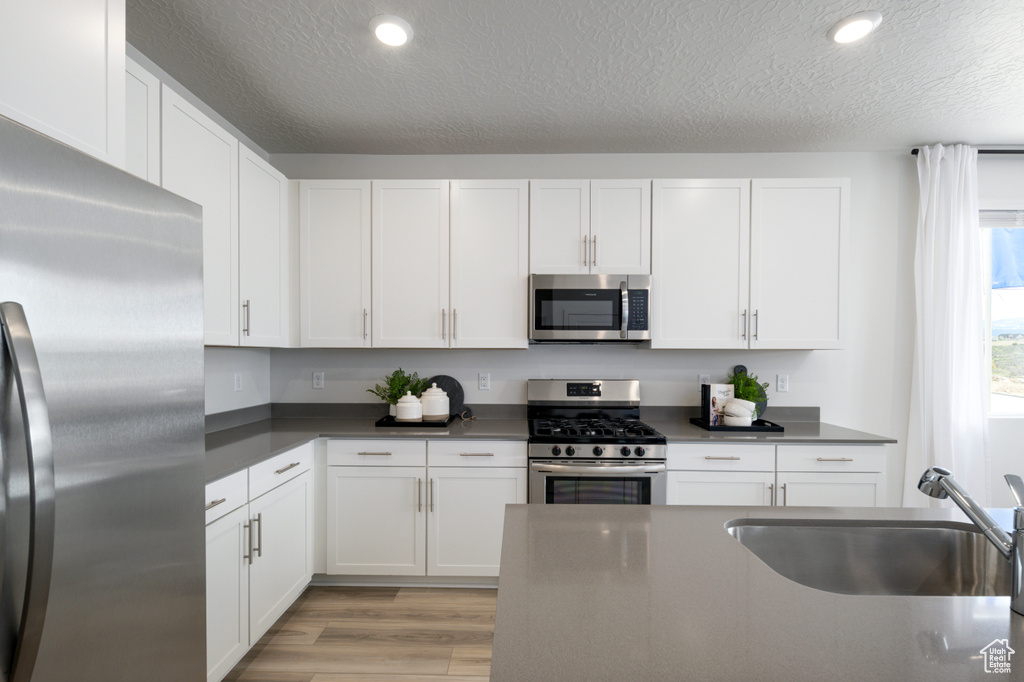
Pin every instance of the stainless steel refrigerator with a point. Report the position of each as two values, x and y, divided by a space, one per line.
101 390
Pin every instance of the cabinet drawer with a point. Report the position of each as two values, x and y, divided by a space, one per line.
269 474
376 452
476 453
868 458
226 495
721 457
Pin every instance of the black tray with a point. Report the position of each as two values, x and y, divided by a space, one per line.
758 426
390 421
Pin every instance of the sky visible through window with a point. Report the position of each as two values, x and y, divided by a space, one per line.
1006 314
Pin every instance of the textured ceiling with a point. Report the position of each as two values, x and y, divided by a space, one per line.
570 76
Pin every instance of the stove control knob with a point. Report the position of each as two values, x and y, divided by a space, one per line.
556 451
598 450
624 451
640 452
570 451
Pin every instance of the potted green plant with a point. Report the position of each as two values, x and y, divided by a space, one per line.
747 387
395 386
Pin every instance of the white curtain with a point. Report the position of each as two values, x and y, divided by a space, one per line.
948 396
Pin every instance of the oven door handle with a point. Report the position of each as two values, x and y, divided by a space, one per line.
598 469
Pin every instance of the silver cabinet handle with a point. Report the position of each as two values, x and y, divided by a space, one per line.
455 322
771 494
835 459
216 503
757 324
584 252
730 459
476 454
444 324
624 292
593 251
375 454
248 527
431 497
784 495
744 335
246 309
364 324
258 549
419 494
39 450
284 469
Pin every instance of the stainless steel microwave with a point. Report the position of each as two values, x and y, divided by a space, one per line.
590 308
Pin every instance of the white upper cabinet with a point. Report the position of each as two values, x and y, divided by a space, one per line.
410 225
700 266
62 71
489 263
200 162
596 227
262 252
142 122
747 263
334 262
797 231
620 227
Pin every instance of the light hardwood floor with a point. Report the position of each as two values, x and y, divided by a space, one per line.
377 634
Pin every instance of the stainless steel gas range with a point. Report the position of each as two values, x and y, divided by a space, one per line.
588 446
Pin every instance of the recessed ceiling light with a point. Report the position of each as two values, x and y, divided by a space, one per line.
855 27
391 30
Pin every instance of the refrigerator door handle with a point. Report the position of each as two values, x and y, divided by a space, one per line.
39 443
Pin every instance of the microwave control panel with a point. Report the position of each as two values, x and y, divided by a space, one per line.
638 306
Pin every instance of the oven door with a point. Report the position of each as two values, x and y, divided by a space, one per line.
589 307
586 482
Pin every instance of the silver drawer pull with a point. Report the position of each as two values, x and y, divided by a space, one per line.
835 459
731 459
375 454
476 454
290 466
215 503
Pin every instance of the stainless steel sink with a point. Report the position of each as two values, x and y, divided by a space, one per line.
873 557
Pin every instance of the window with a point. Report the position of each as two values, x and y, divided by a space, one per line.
1005 309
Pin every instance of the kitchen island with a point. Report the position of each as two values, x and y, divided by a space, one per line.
665 593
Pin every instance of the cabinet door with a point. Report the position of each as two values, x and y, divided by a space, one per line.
620 227
467 514
700 263
410 264
376 520
283 563
489 263
797 229
62 71
227 592
830 490
746 488
200 162
334 256
262 252
559 227
142 122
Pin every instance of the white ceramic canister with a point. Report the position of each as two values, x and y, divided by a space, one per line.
409 408
435 404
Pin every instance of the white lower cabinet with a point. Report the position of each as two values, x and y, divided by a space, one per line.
259 552
833 475
418 508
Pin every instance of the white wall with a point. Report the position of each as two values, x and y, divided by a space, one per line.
864 386
253 367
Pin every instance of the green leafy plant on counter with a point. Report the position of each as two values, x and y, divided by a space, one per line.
747 387
396 384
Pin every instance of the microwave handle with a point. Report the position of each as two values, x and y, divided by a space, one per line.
624 288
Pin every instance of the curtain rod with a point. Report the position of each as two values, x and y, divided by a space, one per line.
984 151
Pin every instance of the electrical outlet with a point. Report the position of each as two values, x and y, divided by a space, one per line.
484 381
318 380
703 379
238 381
782 383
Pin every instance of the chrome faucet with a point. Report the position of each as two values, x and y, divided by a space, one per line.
938 482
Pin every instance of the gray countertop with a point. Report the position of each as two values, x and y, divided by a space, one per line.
665 593
236 448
